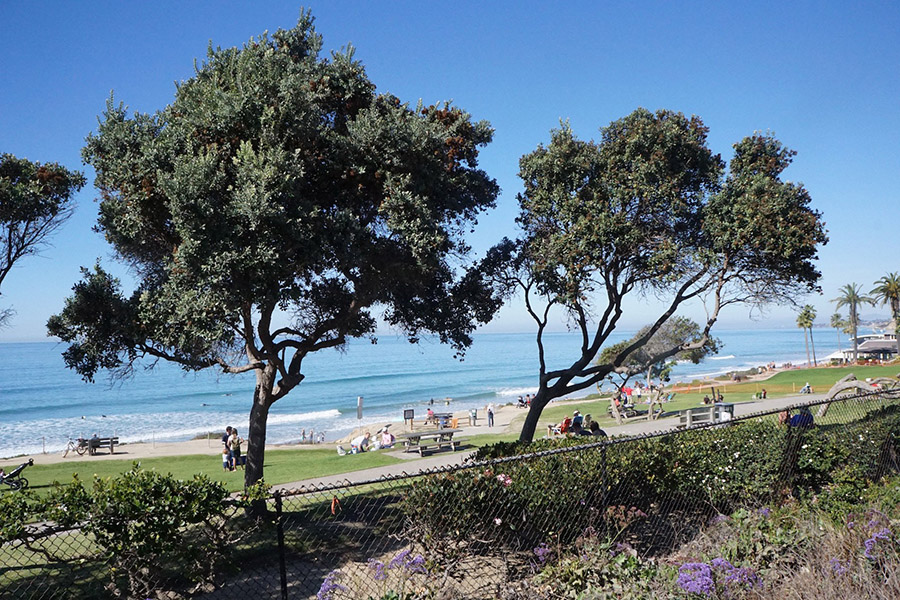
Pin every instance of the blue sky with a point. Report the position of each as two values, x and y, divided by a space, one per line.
823 76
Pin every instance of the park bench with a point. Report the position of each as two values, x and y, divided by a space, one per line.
440 419
713 413
95 444
422 441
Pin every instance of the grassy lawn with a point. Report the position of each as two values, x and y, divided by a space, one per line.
789 382
282 466
782 384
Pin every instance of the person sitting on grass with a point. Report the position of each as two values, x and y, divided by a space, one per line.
586 425
360 443
596 431
387 438
561 428
577 419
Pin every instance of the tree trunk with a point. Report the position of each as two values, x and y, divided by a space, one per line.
813 343
895 309
259 416
806 342
855 343
538 403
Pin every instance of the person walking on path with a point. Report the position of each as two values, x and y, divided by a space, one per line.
490 412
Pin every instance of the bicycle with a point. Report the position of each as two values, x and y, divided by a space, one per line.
80 446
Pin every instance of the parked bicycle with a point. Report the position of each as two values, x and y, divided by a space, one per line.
80 446
14 478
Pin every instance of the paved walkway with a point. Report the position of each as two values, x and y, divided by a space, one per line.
444 458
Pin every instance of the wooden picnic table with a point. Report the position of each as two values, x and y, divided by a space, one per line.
422 440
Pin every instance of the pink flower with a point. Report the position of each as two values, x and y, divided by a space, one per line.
506 480
498 521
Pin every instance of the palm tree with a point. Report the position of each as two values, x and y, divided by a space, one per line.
887 290
851 298
837 321
804 323
811 313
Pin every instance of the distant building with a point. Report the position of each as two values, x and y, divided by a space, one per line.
875 346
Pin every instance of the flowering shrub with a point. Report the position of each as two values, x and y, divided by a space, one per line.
601 568
396 578
718 579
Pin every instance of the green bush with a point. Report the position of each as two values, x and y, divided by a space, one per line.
149 527
696 472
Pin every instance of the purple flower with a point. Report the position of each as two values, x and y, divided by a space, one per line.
743 576
416 564
851 525
718 519
542 552
883 534
330 586
399 560
696 578
378 567
722 564
837 567
764 511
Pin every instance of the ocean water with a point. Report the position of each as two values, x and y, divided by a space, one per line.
42 403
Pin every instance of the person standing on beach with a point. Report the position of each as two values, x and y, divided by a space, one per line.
226 443
235 442
490 412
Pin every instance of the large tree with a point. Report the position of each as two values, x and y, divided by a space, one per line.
647 211
887 291
851 296
676 332
643 359
35 199
278 207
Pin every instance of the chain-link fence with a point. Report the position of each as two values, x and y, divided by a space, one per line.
481 529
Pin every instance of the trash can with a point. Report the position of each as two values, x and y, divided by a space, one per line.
473 416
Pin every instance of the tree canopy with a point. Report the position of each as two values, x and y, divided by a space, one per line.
277 207
35 199
649 211
677 332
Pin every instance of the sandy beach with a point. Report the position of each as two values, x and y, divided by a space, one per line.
503 416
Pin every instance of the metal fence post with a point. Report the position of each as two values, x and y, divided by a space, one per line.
279 528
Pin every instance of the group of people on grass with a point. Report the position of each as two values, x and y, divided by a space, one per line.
576 425
231 450
364 442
